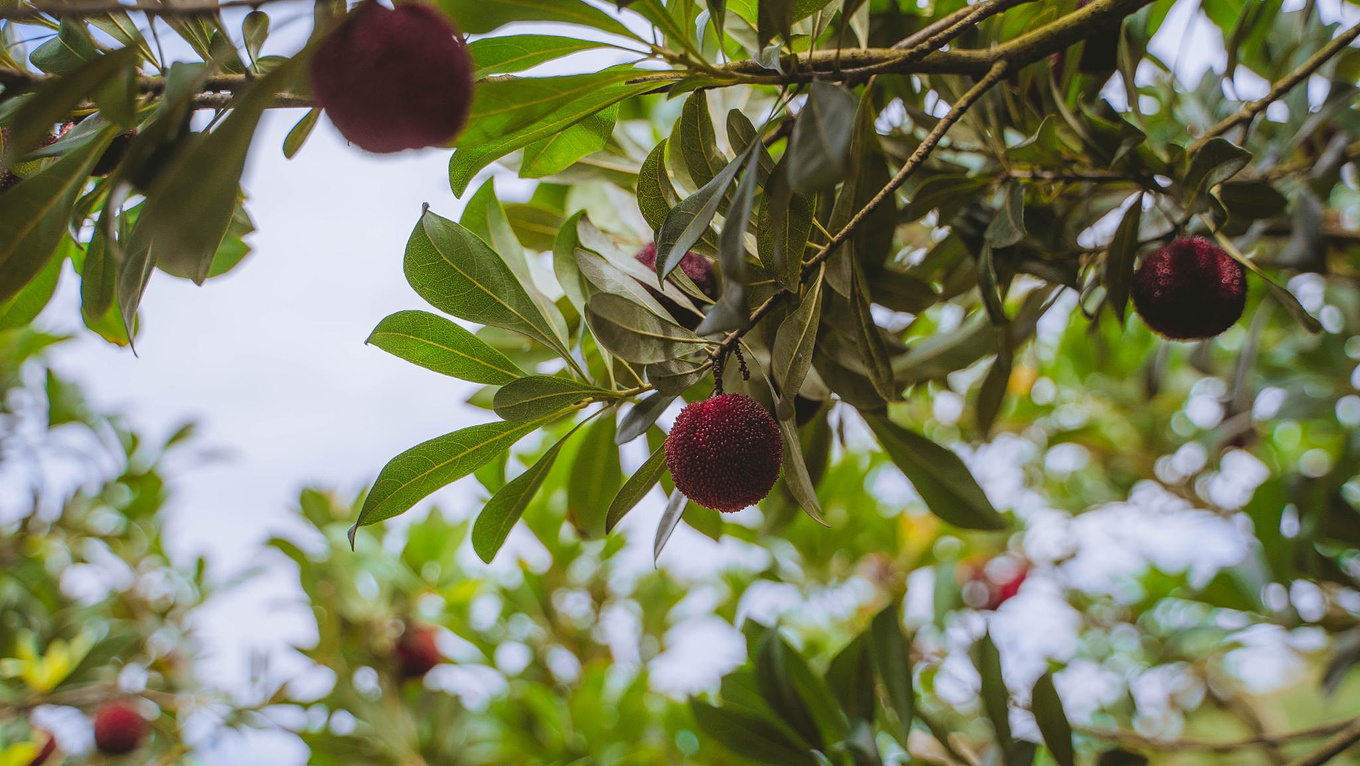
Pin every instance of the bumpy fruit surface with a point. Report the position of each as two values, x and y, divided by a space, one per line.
1190 290
394 79
118 729
696 267
724 453
417 653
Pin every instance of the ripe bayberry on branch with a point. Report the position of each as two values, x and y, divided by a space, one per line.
1190 290
697 268
417 651
725 452
394 79
118 728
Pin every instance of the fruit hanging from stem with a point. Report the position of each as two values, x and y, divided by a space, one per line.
725 452
697 268
1190 290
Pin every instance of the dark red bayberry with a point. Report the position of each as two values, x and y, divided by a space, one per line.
118 728
394 79
417 652
1190 290
697 268
724 453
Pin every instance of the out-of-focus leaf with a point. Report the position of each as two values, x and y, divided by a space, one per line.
479 16
1120 257
516 53
892 664
1217 161
749 735
54 101
595 478
1008 227
675 508
1048 713
938 475
995 697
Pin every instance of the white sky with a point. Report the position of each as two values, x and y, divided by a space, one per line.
271 360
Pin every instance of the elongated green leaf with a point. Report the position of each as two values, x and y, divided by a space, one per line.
992 392
689 220
636 488
795 472
480 16
643 416
730 312
438 344
1008 227
630 279
873 349
595 478
500 513
791 357
292 143
785 225
538 396
655 193
416 473
190 207
675 509
850 677
749 735
819 148
54 102
892 663
1218 160
34 215
30 301
938 475
561 150
944 193
512 114
694 141
635 334
459 274
516 53
793 692
1120 257
1048 713
995 697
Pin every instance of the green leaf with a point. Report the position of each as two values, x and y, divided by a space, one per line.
784 229
938 475
480 16
561 150
643 416
516 53
1217 161
595 478
819 148
500 513
538 396
30 301
730 312
635 334
190 207
292 143
797 479
694 141
655 193
675 509
995 697
873 349
943 193
892 663
688 221
1251 200
65 53
1008 227
254 31
992 392
1048 713
795 694
53 103
438 344
1120 256
636 488
774 19
34 215
748 735
791 357
514 113
457 273
850 677
413 475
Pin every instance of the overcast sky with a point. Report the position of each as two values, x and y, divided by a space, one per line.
271 358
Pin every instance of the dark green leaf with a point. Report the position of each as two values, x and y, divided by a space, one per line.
1251 200
995 697
635 334
688 221
438 344
748 735
655 193
637 487
797 479
1120 257
851 679
892 663
1217 161
595 478
516 53
30 301
1008 227
694 142
785 225
819 149
500 513
1048 713
791 357
643 416
873 350
938 475
539 396
296 137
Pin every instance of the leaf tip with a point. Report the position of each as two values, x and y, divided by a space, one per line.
351 533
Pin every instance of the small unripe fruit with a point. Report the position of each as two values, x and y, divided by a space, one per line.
394 79
1190 290
417 652
697 268
724 453
118 729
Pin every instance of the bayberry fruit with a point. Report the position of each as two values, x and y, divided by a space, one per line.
394 79
417 652
724 453
118 728
1190 290
697 268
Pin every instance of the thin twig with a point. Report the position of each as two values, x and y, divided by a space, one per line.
1139 742
1338 744
60 10
1280 88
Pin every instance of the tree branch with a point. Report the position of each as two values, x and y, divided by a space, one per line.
917 158
1280 88
61 10
1338 744
1139 742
